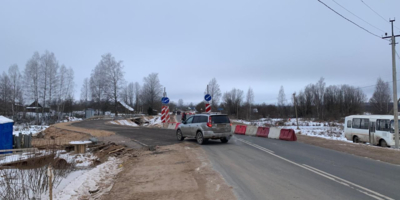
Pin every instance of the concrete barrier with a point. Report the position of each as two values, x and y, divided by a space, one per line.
251 130
274 133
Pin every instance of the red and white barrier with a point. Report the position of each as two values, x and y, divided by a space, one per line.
268 132
208 108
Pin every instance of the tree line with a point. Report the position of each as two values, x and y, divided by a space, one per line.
43 82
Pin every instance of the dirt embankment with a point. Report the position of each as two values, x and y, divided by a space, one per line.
179 171
373 152
62 133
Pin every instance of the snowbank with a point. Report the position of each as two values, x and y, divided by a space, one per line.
34 129
99 178
124 122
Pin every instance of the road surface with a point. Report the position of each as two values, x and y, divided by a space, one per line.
260 168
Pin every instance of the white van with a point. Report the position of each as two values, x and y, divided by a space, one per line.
374 129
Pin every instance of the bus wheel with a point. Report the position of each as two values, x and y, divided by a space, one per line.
355 139
383 143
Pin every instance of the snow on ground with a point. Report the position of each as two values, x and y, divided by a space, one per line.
26 130
124 122
99 178
154 121
80 160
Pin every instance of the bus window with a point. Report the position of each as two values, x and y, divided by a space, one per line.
382 124
349 124
356 123
364 124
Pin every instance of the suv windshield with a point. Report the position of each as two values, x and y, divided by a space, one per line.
220 119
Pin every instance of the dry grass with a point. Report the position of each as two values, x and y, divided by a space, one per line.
92 132
62 134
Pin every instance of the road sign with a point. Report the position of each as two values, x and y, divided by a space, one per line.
165 100
207 97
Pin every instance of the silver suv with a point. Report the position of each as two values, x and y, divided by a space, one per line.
204 127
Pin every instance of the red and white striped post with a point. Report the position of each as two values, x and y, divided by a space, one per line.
167 118
163 114
208 108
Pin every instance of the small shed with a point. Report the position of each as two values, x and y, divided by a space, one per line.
89 113
6 133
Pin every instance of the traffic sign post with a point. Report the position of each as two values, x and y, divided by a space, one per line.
208 98
165 108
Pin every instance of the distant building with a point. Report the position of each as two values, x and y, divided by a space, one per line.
39 108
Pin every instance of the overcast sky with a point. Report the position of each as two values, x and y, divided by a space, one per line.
257 43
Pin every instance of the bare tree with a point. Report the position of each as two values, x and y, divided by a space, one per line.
16 87
99 84
180 103
5 88
281 101
85 91
381 98
61 88
215 92
152 90
137 91
319 91
32 78
114 74
131 94
249 101
233 100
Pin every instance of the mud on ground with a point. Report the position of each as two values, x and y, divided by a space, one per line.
180 171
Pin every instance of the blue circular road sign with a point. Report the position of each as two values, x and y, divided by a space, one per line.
207 97
165 100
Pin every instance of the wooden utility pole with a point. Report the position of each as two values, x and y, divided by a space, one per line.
295 109
394 73
50 175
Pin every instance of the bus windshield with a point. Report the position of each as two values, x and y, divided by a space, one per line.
392 126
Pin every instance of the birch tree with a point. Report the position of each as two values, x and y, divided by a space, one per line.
215 92
115 76
137 91
249 101
152 90
85 91
16 87
32 78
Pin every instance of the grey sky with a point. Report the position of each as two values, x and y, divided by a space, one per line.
259 44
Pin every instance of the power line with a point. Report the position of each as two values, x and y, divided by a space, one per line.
377 13
350 20
358 17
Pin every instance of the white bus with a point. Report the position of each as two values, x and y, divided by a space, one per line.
374 129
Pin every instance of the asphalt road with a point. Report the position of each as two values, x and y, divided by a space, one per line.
260 168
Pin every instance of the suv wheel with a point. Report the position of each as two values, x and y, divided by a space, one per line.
179 135
224 140
355 139
199 138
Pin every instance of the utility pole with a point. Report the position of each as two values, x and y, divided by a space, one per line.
295 108
395 109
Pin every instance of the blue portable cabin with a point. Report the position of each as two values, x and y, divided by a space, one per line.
6 133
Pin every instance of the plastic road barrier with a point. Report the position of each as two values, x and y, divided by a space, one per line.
262 132
251 130
274 133
240 129
288 135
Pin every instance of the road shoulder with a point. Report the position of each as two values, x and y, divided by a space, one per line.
180 171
